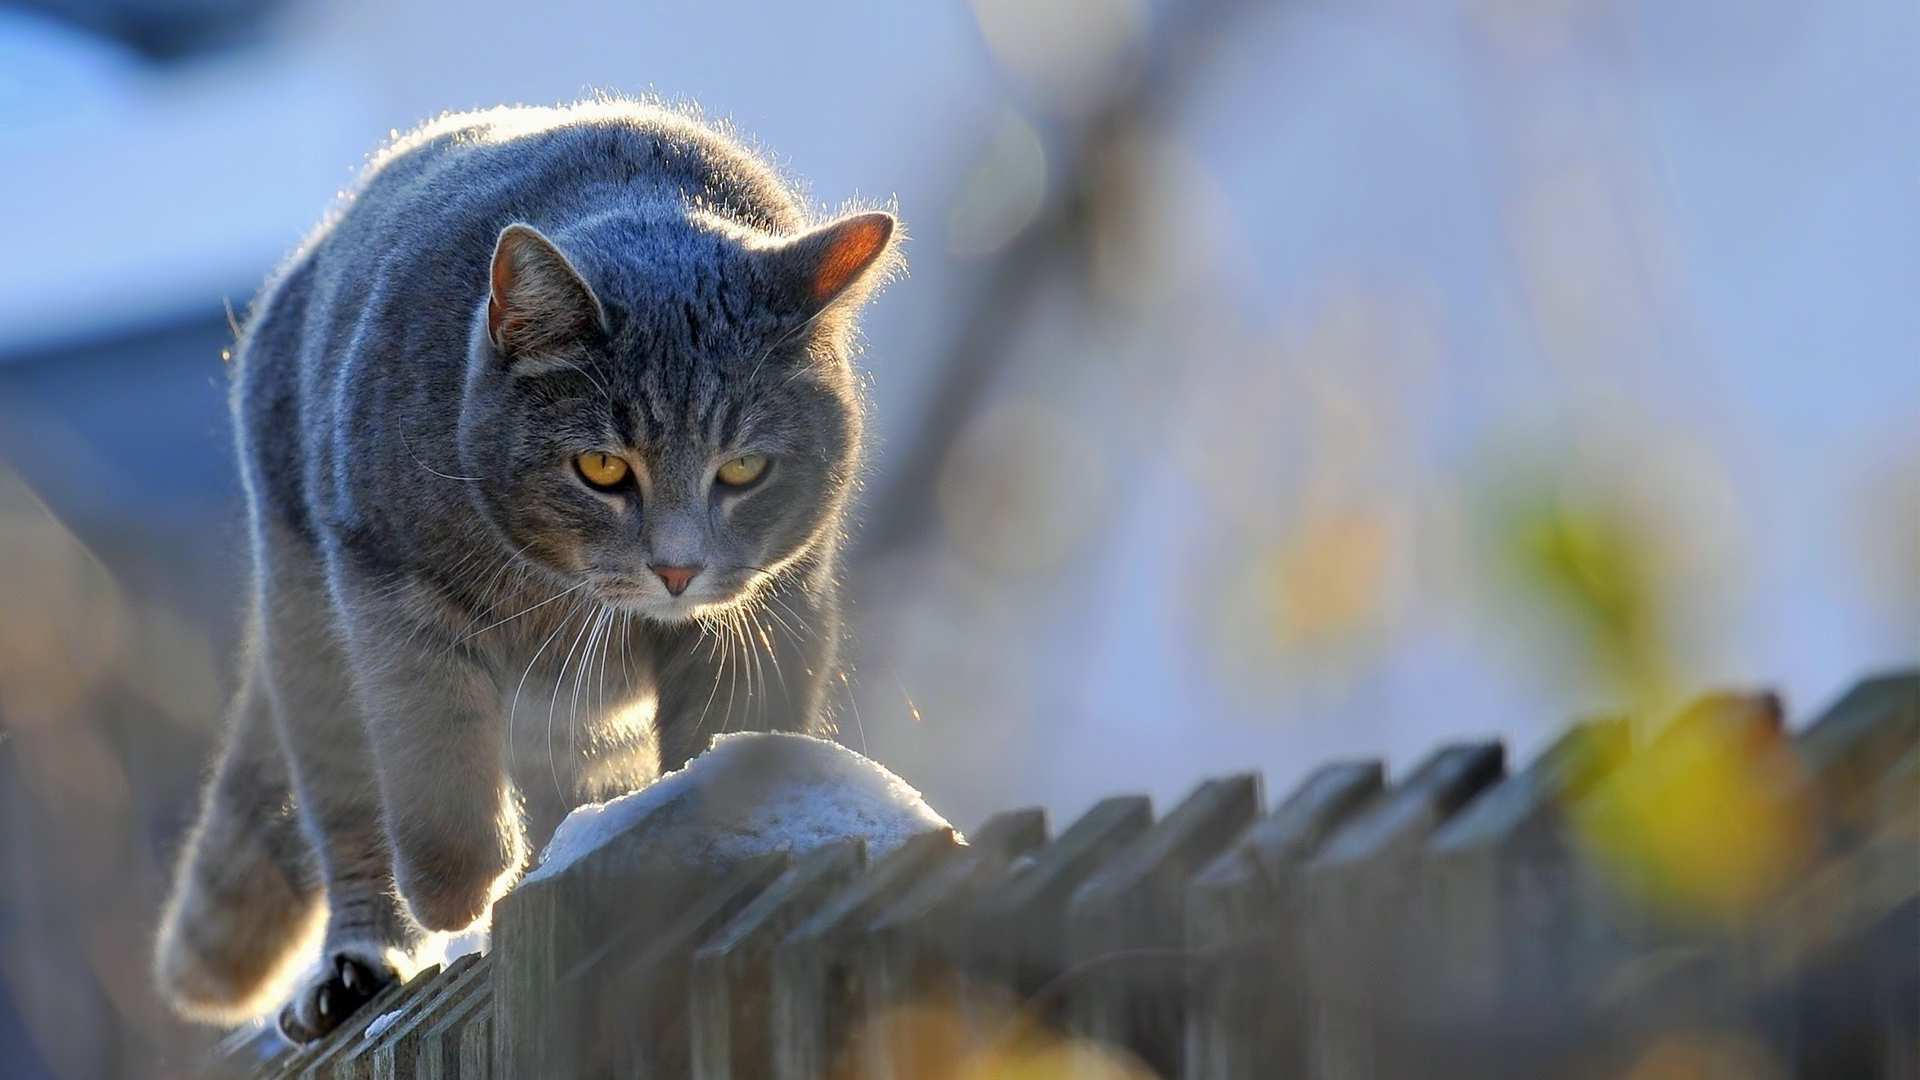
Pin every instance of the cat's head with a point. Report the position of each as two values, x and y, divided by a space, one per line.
661 410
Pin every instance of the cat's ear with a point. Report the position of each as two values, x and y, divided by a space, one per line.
836 264
537 302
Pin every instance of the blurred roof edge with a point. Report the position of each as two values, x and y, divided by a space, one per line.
145 194
163 30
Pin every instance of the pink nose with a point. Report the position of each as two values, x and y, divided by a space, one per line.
675 578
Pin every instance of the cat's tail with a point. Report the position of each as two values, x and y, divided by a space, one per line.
246 909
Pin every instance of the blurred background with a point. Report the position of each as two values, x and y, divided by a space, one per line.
1276 380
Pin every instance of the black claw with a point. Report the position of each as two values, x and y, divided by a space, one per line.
351 985
290 1027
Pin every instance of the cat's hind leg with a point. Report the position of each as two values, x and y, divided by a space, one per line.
369 939
245 907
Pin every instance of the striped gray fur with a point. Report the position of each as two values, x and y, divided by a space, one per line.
456 637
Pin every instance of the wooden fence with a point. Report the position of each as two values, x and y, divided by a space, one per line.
1723 897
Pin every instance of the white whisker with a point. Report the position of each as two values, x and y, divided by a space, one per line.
535 607
853 704
553 705
408 447
514 707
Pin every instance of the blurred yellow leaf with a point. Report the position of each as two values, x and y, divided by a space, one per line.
1707 824
1592 563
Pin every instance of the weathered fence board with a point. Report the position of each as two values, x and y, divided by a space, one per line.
595 1019
396 1052
1857 741
476 1044
440 1045
1015 935
1360 918
911 952
731 1014
1125 926
548 925
1247 987
644 1001
1506 931
818 990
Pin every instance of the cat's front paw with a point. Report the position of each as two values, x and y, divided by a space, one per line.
331 993
451 902
449 884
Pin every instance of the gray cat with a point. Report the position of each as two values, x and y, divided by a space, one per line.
546 433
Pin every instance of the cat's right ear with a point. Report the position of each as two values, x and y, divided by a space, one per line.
832 267
537 302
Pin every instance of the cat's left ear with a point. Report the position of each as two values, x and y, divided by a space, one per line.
836 265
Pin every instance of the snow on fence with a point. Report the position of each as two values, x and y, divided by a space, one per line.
1723 891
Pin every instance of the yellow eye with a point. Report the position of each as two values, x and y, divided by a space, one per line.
742 471
601 469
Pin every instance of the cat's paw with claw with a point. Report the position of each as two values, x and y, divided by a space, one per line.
332 993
